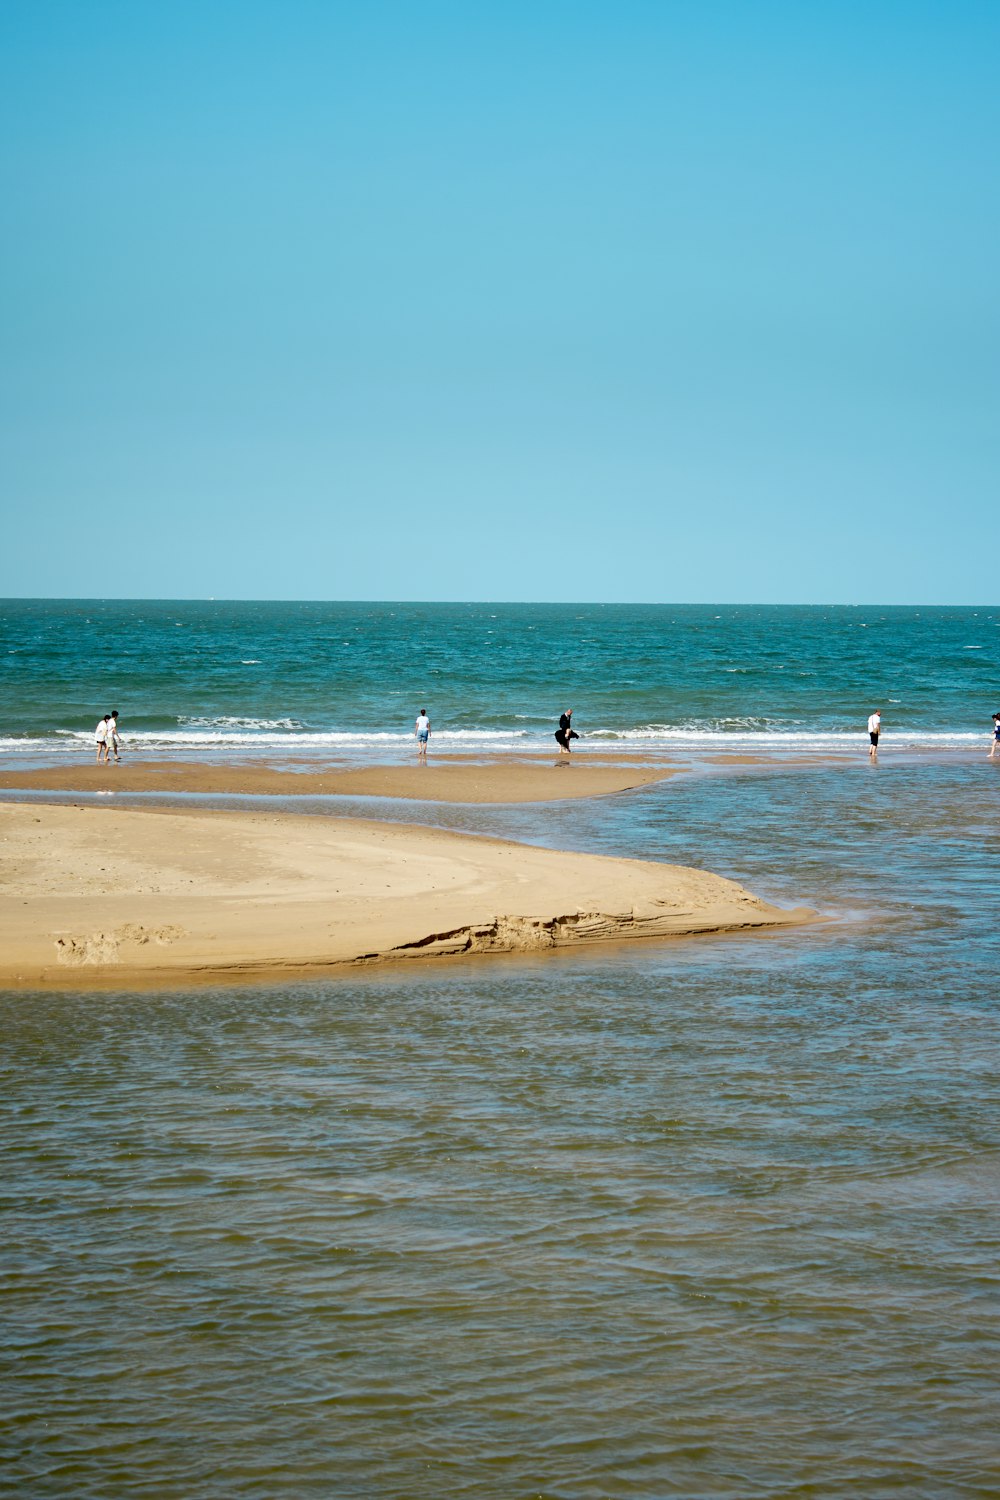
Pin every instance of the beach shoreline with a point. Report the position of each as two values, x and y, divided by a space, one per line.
109 898
456 777
459 779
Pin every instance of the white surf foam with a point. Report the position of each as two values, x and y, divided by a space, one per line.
287 737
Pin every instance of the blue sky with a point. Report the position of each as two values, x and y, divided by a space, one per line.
500 301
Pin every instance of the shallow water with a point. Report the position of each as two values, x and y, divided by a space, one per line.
712 1217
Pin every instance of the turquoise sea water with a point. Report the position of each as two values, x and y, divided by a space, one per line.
348 679
710 1218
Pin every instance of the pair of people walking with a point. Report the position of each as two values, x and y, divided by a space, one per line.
107 737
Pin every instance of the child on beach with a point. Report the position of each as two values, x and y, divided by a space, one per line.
996 737
101 736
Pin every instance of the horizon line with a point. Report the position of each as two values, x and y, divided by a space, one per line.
503 603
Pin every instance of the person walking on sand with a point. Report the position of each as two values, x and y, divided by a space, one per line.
111 739
565 732
996 737
101 736
422 730
874 725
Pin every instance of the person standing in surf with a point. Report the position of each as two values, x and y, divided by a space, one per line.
112 739
565 732
422 730
874 727
996 737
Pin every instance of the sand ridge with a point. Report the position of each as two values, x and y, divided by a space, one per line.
100 897
541 778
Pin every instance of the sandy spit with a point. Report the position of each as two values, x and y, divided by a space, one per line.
542 779
100 898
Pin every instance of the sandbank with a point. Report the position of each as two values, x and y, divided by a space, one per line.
541 779
108 898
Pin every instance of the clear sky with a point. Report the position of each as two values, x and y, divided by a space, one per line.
619 301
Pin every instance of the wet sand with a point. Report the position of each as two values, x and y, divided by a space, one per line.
540 779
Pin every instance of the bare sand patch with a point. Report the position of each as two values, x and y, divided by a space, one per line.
106 898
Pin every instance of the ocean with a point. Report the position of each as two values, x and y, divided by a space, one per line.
715 1217
347 680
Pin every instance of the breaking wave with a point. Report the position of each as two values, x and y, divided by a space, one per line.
250 736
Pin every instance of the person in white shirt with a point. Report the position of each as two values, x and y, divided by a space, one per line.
874 725
101 736
422 730
112 740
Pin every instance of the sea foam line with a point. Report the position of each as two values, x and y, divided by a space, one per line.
221 736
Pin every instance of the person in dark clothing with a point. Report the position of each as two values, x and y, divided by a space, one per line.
565 732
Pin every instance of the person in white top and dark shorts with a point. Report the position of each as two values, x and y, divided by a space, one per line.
874 725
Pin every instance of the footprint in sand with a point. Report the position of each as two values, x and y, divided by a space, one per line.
105 947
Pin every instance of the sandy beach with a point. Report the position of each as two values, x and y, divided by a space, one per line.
457 779
108 898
